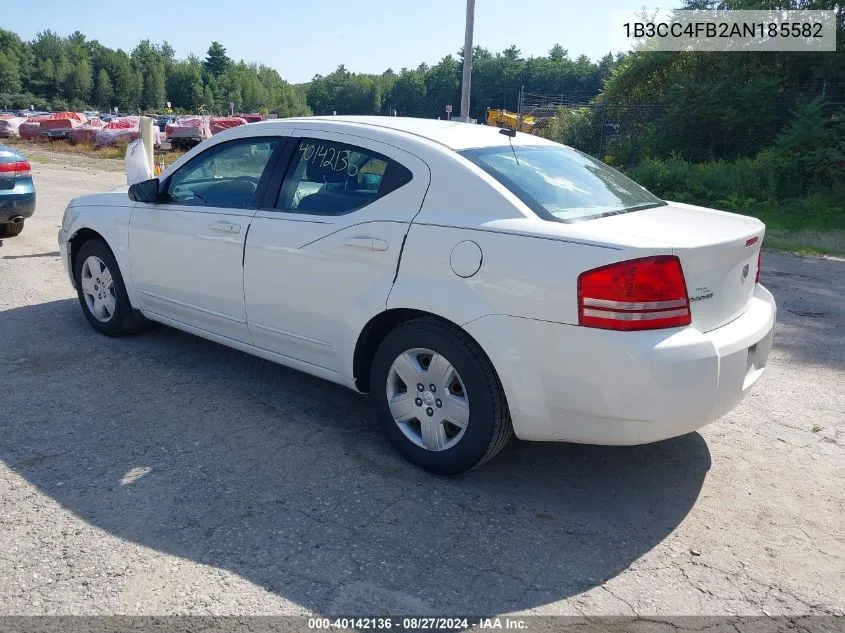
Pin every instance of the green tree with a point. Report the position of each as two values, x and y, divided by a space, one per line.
578 127
558 53
443 86
207 106
10 80
815 140
11 44
408 93
184 84
167 54
154 93
103 91
216 60
127 83
76 82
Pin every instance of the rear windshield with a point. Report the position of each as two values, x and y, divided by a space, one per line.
560 183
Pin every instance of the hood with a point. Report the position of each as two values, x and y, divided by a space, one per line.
116 198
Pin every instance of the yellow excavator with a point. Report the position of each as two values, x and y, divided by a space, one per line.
507 119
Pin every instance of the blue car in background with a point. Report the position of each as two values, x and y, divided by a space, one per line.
17 192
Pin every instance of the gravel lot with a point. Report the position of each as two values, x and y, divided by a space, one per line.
165 474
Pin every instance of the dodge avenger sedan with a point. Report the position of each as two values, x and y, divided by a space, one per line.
476 282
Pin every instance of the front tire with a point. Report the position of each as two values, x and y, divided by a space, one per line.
102 293
438 398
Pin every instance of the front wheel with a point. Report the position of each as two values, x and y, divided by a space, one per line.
102 293
438 397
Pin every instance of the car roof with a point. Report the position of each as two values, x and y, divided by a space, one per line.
452 134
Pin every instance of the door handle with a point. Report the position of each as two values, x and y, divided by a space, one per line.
225 227
369 243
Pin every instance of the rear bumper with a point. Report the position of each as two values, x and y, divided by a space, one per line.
576 384
14 203
63 132
187 135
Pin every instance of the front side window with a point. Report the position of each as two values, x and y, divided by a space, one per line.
561 183
331 178
226 175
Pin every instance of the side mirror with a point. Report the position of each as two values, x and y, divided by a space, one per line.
145 191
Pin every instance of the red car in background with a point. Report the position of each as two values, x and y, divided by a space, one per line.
252 118
59 124
218 124
85 133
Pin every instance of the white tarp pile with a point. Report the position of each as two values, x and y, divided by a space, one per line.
85 133
190 126
10 126
124 129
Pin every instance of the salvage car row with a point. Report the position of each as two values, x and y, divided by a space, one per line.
105 130
17 190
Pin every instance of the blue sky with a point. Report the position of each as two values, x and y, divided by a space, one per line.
303 37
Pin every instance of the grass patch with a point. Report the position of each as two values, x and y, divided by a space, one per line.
819 212
799 219
813 224
806 242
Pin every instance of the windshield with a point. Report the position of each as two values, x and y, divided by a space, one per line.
561 182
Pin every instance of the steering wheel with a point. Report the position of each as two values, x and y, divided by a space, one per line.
250 179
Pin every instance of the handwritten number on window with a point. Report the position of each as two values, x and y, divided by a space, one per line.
327 156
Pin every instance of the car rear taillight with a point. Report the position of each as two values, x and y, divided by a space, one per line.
759 262
18 168
640 294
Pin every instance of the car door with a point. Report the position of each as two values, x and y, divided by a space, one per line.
321 258
186 251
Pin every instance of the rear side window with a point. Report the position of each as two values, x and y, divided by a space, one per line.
331 178
560 183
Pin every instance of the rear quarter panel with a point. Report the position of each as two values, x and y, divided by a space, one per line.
520 275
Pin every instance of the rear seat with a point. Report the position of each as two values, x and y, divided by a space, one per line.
333 202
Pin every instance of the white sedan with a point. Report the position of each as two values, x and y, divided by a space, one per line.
476 282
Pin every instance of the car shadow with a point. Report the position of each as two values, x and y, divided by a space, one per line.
52 254
205 453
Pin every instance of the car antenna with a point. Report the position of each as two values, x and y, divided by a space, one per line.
510 134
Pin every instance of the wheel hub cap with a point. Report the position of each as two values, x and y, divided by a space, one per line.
97 287
427 399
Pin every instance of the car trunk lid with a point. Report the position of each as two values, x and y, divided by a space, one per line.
718 253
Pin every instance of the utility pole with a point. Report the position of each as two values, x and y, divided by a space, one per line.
467 79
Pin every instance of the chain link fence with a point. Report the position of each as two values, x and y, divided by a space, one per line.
576 120
623 132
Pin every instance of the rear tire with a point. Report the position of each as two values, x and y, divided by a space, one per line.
11 229
102 293
460 424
